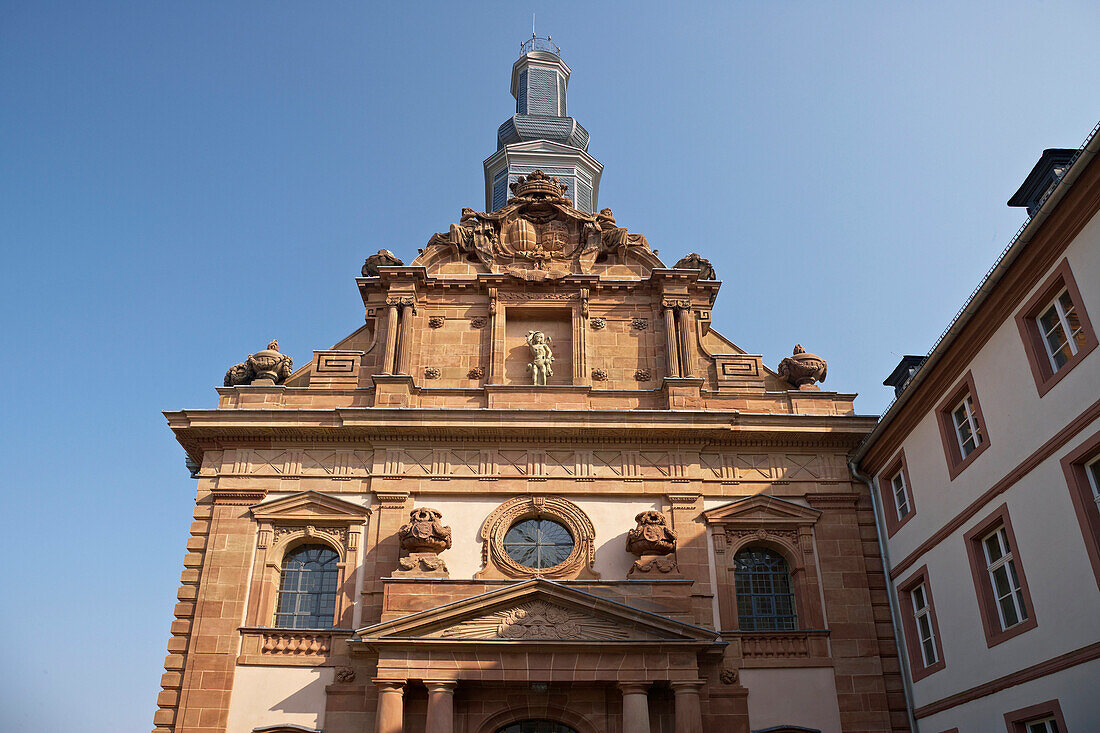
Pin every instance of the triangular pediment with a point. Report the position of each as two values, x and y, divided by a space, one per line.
762 509
537 610
309 506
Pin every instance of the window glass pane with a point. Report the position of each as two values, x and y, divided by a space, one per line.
765 600
307 588
538 543
993 548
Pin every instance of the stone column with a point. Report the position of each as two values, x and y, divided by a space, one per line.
635 707
391 339
672 343
404 347
391 706
687 343
689 716
441 707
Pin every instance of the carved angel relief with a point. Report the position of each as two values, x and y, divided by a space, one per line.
538 235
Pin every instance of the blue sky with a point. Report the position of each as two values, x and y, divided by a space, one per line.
181 182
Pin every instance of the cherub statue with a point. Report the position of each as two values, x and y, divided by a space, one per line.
541 357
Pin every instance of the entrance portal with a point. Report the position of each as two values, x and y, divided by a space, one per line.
536 726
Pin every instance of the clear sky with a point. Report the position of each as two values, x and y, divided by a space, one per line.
182 182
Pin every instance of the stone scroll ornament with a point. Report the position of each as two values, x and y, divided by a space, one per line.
802 370
384 258
267 364
695 261
538 235
654 542
423 538
541 357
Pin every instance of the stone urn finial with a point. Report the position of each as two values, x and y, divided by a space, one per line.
423 537
267 364
802 369
654 542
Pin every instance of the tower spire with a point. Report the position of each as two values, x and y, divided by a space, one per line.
541 135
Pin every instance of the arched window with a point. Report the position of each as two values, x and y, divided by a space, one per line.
765 594
537 726
307 588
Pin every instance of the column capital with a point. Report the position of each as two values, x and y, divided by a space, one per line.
390 685
686 686
634 688
440 685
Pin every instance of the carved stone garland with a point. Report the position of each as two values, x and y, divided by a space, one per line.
498 564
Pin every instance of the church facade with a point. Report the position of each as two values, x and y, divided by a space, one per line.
536 491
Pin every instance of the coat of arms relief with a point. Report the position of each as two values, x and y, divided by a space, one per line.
538 235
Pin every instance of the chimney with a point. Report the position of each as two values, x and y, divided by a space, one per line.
903 372
1042 179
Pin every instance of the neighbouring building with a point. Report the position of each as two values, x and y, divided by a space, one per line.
987 473
536 491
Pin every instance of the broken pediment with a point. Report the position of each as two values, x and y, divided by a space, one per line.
537 610
537 236
309 506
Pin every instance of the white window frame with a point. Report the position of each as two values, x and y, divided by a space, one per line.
923 612
1049 725
1008 562
971 419
1092 473
905 500
1063 323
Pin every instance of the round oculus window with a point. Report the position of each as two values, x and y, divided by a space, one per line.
538 543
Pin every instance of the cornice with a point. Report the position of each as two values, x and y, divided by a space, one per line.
200 430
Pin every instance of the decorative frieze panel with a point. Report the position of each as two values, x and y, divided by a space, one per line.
739 371
294 462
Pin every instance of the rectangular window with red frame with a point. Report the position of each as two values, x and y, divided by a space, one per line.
1004 601
1046 717
1055 329
1082 469
962 426
922 633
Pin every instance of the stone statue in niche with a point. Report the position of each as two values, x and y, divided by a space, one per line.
654 542
423 537
384 258
695 261
802 369
267 366
541 357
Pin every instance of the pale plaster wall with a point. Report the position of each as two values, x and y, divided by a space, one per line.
277 695
1049 540
1073 688
611 519
805 697
1064 594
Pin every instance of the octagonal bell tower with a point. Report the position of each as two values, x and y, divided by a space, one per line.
541 135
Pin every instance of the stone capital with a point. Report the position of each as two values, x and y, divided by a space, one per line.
634 688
